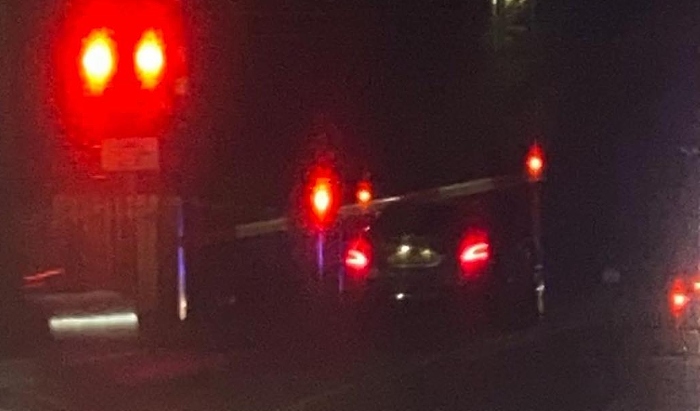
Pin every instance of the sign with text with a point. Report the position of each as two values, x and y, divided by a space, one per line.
130 154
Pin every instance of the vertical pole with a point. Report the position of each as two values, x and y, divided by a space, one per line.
341 281
539 250
129 193
341 266
181 265
537 221
498 23
533 15
319 253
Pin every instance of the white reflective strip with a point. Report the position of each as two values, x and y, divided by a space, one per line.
261 227
467 188
84 322
478 186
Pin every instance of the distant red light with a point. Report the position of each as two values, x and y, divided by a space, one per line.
364 192
474 253
322 197
534 163
678 296
364 196
679 300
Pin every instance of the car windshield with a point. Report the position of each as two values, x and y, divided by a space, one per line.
427 219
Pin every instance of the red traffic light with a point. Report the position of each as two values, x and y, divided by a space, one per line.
323 197
119 68
363 194
678 296
149 59
535 163
98 61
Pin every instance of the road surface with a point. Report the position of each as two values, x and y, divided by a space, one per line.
599 352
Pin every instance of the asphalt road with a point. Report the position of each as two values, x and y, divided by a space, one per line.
570 360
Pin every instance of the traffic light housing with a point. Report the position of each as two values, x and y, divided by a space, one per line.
119 68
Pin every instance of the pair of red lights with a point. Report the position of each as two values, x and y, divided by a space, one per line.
99 60
324 196
321 195
473 255
119 68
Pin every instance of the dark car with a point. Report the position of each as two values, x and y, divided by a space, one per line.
475 249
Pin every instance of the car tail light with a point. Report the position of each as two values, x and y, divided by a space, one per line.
474 253
358 257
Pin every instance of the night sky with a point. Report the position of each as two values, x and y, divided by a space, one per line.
393 87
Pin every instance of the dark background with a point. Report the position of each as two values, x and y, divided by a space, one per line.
411 92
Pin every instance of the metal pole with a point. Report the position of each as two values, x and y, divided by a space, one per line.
539 250
181 264
319 253
498 23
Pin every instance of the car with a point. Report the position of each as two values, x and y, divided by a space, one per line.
466 250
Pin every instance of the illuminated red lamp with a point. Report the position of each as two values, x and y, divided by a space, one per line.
323 197
474 253
363 194
119 68
678 296
98 61
149 59
535 163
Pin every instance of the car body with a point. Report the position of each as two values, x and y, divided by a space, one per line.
478 248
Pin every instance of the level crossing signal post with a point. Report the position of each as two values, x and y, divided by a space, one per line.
535 167
119 78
